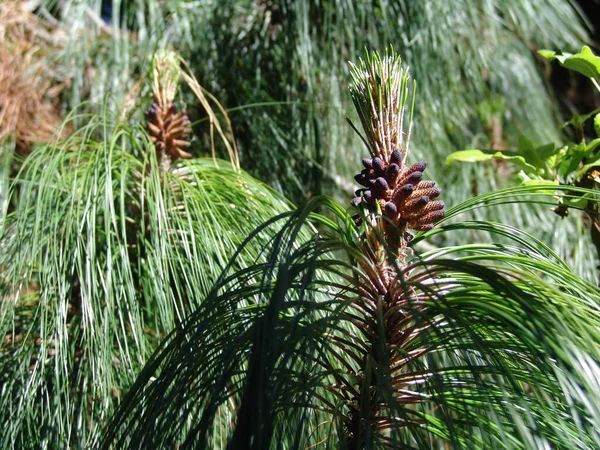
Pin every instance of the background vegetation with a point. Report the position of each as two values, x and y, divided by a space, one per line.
102 256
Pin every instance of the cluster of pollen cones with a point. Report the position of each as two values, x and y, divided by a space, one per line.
399 192
168 130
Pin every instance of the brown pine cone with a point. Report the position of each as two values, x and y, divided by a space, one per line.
400 192
168 130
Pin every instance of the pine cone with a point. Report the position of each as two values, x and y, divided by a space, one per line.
400 192
168 130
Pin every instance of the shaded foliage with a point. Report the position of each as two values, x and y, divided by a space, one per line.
478 355
491 345
102 256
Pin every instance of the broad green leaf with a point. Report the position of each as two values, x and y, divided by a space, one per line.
546 150
584 62
597 124
548 54
572 160
578 122
477 155
536 156
533 182
525 146
577 202
587 167
473 155
555 159
589 149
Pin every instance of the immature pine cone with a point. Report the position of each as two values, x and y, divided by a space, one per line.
402 195
168 130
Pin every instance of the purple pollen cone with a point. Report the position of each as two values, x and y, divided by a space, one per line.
396 157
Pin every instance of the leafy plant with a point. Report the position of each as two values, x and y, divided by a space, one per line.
584 62
573 164
356 338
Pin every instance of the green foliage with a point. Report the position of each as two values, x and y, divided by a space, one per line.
477 155
355 339
584 62
500 350
102 256
548 162
545 163
572 164
282 66
279 69
6 156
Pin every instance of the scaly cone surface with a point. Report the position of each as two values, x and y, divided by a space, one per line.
167 127
399 192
